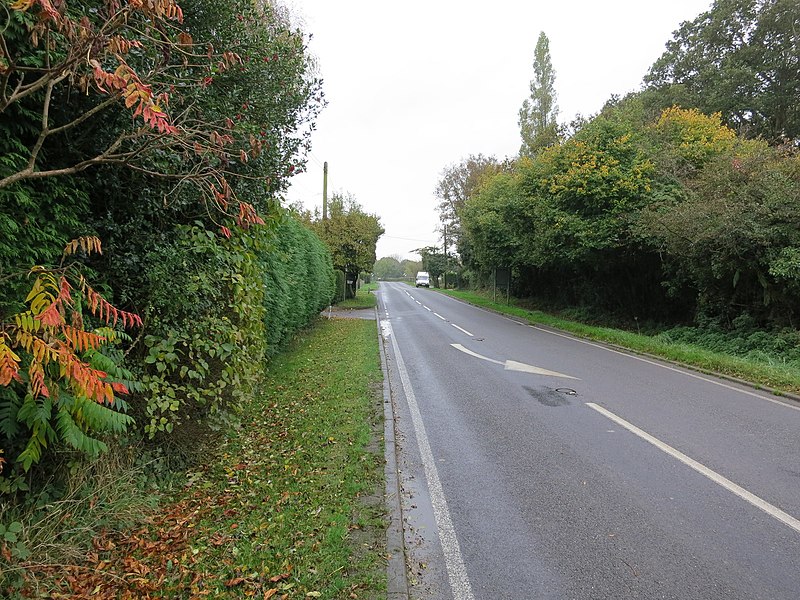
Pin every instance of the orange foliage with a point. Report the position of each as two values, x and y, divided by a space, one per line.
123 81
43 334
9 364
126 83
92 51
88 244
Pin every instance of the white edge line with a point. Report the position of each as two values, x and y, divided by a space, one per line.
669 368
454 562
768 508
462 330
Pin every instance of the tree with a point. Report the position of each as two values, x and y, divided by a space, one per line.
388 268
458 183
538 116
411 268
433 262
741 59
735 235
561 218
351 235
488 220
119 120
685 140
730 232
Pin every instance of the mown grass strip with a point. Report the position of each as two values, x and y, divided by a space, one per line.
311 454
364 298
779 378
289 505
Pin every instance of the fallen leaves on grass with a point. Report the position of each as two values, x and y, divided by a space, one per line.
269 517
137 564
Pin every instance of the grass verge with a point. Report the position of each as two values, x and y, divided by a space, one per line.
364 298
782 379
289 505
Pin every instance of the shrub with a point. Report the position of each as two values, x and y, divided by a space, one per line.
230 305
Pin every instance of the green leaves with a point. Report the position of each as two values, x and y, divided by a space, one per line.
733 235
9 540
9 533
673 217
739 58
350 234
231 304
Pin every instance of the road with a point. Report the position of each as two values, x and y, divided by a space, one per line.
538 465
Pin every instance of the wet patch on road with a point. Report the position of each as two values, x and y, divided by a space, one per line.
548 396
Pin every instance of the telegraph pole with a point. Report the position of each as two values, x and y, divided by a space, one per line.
445 256
325 191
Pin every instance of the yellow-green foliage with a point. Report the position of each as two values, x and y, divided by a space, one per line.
693 136
673 216
596 174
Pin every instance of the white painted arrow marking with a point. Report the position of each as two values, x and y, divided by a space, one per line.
512 365
475 354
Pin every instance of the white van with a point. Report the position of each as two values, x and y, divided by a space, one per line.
423 280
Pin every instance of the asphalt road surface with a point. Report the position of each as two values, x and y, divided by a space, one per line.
537 465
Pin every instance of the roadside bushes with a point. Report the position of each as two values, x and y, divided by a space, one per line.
239 300
215 309
298 281
175 200
179 220
669 218
734 235
775 347
338 295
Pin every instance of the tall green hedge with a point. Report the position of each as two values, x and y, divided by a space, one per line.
298 281
231 305
338 295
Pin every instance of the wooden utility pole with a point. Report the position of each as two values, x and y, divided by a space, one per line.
325 191
445 256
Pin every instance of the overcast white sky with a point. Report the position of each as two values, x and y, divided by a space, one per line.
415 86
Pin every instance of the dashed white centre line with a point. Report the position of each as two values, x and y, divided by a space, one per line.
426 308
768 508
440 316
462 330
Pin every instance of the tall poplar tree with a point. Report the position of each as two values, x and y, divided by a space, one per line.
537 117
